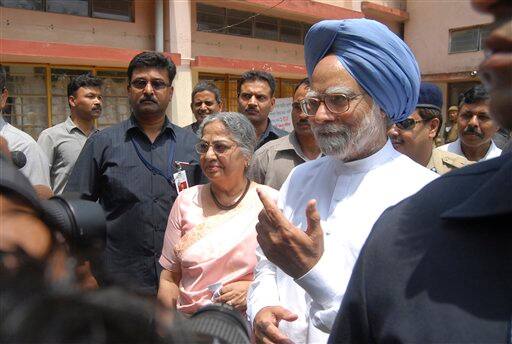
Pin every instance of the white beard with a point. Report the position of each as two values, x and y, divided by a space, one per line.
347 143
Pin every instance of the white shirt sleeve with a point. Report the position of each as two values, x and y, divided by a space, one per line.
263 290
325 293
37 168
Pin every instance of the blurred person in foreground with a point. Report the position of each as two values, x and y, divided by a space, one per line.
36 166
63 142
310 240
273 162
476 127
415 135
210 242
206 100
437 267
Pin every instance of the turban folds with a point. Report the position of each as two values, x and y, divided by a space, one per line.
376 58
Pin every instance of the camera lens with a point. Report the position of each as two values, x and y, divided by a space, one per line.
81 222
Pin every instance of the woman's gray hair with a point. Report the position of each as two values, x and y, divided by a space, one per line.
242 131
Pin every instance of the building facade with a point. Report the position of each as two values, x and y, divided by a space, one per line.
45 42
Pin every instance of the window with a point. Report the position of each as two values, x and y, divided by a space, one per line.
468 39
266 28
36 5
76 7
105 9
242 29
112 9
212 18
36 101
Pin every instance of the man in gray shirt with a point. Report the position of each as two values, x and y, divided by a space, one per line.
272 163
63 142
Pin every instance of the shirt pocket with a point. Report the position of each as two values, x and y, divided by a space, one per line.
123 184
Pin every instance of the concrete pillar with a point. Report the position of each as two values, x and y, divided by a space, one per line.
180 37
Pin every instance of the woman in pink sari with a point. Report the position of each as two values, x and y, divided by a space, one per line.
210 242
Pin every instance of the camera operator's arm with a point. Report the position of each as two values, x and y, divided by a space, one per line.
168 290
85 177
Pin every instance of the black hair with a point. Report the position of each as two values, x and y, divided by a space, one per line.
152 59
207 86
257 75
428 114
3 78
473 95
304 81
83 80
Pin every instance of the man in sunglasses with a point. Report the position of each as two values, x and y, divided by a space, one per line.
272 163
134 170
476 127
415 135
361 74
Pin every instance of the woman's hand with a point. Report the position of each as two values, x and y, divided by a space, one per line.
235 294
168 290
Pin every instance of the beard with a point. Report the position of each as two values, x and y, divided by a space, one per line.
351 143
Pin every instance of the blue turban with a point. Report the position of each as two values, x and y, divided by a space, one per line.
379 60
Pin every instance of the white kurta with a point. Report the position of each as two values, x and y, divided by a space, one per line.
37 168
350 197
454 147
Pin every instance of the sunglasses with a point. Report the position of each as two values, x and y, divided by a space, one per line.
141 84
334 102
218 147
408 124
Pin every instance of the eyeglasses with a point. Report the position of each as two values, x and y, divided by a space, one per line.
140 84
218 147
409 123
335 102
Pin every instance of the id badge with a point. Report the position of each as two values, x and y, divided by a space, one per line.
180 180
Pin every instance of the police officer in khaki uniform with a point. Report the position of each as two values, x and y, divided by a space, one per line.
451 130
415 135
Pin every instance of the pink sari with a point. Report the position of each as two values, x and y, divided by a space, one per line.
210 251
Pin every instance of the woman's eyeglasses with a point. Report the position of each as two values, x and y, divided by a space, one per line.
408 124
140 84
218 147
335 102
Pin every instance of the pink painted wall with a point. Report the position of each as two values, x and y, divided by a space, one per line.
19 24
427 33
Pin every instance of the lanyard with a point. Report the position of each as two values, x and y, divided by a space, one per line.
154 169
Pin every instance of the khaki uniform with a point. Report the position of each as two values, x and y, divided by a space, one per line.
452 134
443 162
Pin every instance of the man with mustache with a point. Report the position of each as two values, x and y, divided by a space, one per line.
133 170
476 127
63 142
205 101
256 100
273 162
437 267
361 75
415 135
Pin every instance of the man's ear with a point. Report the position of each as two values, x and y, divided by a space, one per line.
272 103
434 125
172 91
221 106
72 101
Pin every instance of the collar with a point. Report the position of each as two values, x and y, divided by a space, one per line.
383 155
70 126
492 149
492 198
293 143
131 124
271 130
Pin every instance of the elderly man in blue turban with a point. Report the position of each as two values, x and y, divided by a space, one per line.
362 75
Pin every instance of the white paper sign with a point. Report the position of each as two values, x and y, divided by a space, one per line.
281 116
